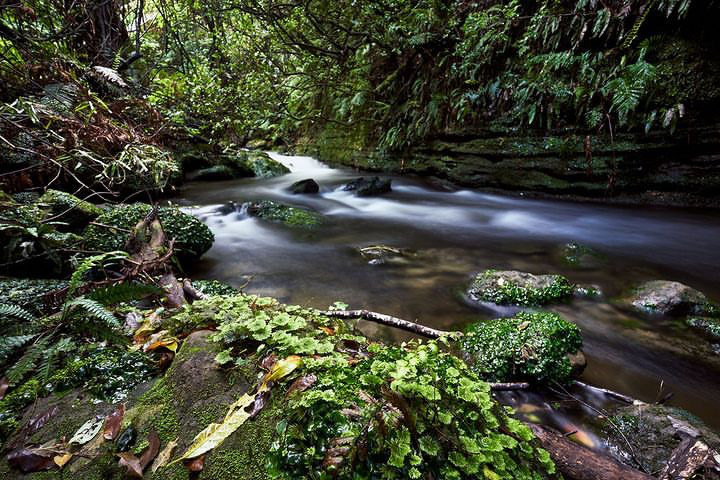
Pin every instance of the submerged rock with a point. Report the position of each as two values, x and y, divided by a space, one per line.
708 325
304 186
671 298
581 256
261 164
380 254
511 287
364 187
537 347
112 230
285 214
68 208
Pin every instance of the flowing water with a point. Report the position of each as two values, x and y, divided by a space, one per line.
451 234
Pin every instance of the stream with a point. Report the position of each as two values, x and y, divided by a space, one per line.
452 234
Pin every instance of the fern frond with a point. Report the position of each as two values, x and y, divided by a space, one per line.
9 345
49 360
13 311
79 275
27 362
123 292
93 310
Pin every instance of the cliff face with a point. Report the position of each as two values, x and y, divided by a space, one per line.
681 169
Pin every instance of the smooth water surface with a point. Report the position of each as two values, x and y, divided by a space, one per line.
451 234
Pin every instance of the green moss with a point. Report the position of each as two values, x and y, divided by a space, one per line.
68 208
261 164
280 213
528 347
192 237
519 288
578 255
709 325
214 287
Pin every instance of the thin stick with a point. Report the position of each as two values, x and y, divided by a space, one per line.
391 322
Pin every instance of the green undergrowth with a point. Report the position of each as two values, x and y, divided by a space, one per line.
527 347
518 288
367 410
111 230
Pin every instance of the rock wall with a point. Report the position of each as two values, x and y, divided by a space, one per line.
681 169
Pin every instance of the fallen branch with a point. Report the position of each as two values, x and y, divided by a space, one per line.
577 462
390 321
689 458
503 387
611 393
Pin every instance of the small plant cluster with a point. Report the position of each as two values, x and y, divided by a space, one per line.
520 289
359 410
527 347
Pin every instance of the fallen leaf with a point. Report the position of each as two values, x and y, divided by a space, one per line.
196 464
126 440
4 385
29 460
113 422
38 421
215 433
164 456
131 463
169 343
88 431
268 362
61 460
260 400
302 384
149 454
328 330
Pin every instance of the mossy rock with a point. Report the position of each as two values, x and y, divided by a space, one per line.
192 237
29 293
285 214
510 287
708 325
536 347
665 297
217 172
214 287
262 165
68 208
652 431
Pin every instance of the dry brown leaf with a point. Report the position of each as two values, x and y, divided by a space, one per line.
131 463
196 464
301 384
113 422
164 456
149 454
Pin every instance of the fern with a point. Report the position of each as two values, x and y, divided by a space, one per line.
27 362
15 312
50 358
93 310
122 292
10 344
79 275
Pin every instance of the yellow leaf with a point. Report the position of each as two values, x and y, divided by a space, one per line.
215 433
61 460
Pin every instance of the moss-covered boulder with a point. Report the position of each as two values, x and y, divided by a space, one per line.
644 436
112 230
510 287
665 297
214 287
30 294
710 326
369 187
280 213
68 208
216 172
537 347
259 163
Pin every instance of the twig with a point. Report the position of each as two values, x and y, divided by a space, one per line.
390 321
